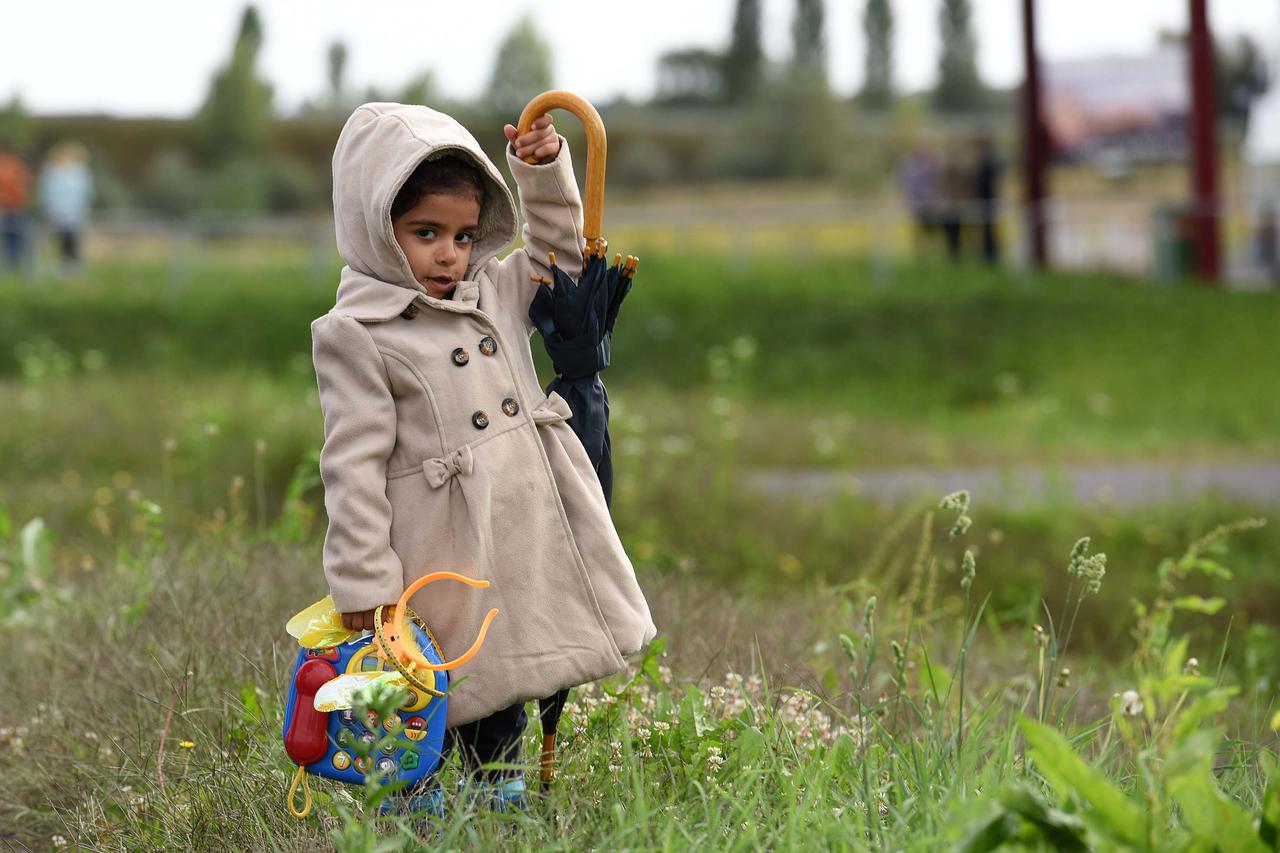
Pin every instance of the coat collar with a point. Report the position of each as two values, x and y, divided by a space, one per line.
369 299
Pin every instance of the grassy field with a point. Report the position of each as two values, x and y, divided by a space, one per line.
161 520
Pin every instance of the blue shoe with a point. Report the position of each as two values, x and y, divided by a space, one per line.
422 804
506 796
510 796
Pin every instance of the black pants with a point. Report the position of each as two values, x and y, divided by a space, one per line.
496 738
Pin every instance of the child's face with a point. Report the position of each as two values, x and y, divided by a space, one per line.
436 235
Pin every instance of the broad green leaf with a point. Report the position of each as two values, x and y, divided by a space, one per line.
749 745
1062 830
1117 816
1209 705
1269 828
1197 604
993 833
1175 657
692 720
1212 817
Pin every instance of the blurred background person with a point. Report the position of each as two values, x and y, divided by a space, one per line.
918 183
65 193
953 199
986 195
15 191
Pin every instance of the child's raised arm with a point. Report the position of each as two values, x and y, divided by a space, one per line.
552 210
359 435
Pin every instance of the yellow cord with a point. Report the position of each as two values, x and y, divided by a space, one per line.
300 776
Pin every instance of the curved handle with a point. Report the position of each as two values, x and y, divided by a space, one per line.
404 650
597 145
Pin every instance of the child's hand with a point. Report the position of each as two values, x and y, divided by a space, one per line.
541 141
363 620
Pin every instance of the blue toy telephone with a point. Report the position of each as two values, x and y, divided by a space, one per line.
321 742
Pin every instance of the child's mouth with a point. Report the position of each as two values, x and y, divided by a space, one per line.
441 280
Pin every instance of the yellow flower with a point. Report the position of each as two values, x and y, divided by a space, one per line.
187 744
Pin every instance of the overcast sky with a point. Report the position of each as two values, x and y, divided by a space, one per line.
155 57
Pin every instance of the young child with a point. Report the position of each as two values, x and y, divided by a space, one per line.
441 452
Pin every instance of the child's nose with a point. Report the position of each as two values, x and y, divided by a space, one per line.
448 253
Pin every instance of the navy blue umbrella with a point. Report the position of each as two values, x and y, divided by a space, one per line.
575 319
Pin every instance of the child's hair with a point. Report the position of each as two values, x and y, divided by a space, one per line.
442 175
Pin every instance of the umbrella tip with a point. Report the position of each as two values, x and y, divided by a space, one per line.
552 259
617 259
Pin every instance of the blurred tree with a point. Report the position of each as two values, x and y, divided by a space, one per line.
743 61
809 51
337 71
1242 76
1241 72
692 76
235 120
522 69
15 124
877 27
959 87
422 89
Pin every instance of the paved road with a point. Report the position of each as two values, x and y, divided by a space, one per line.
1126 485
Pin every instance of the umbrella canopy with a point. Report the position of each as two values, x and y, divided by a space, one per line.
576 319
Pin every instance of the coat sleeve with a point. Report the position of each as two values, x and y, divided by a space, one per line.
552 211
359 435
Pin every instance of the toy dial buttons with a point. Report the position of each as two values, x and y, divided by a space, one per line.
386 766
415 728
341 761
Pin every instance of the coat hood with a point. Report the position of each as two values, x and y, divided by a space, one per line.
379 147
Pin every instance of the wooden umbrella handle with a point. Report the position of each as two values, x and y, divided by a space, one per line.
558 99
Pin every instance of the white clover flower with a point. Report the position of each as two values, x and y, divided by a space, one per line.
58 841
1131 703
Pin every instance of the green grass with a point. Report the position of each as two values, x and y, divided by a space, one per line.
162 430
929 364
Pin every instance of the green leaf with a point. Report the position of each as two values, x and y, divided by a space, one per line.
1212 817
692 719
1269 828
1210 567
1196 604
1175 656
1209 705
749 745
993 833
1116 816
1063 831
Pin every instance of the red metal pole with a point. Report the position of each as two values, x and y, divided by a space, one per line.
1204 146
1035 149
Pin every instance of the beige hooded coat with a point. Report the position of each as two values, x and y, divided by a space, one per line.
430 464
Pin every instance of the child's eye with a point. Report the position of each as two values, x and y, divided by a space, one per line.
425 233
465 238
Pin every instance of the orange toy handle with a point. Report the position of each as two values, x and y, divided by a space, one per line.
597 147
404 650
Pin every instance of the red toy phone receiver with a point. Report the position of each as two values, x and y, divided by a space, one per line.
307 739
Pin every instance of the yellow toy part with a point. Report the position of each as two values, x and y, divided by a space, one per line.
320 626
